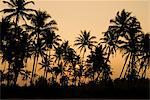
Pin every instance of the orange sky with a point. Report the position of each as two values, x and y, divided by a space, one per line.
94 15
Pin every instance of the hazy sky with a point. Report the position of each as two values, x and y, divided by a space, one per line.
94 15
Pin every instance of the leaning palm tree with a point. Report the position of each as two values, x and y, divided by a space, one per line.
17 9
85 41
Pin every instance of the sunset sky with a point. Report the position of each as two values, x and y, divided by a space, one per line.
73 16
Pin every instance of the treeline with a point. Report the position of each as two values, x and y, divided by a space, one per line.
27 34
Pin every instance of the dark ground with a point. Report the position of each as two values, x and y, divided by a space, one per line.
118 90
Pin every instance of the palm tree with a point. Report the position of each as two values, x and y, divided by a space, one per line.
58 55
85 41
5 42
127 27
110 42
17 9
130 46
144 53
39 30
99 65
19 45
26 76
5 37
39 51
46 65
52 40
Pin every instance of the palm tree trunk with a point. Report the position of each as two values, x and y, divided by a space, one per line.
8 81
4 66
124 66
128 67
139 71
16 76
97 76
144 73
108 57
36 63
44 72
33 69
50 62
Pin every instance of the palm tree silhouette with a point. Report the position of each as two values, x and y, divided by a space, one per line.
110 42
130 45
39 30
51 40
5 37
17 9
46 65
144 53
85 41
5 42
26 76
127 27
98 60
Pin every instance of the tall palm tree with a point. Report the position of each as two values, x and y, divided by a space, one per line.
144 53
128 28
130 46
5 37
39 49
17 9
39 30
85 41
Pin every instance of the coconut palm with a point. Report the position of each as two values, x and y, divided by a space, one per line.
110 42
19 50
58 55
99 65
26 75
5 37
144 53
85 41
46 65
39 30
130 46
39 51
120 24
17 9
127 27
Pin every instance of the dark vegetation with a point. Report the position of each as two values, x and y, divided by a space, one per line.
27 34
